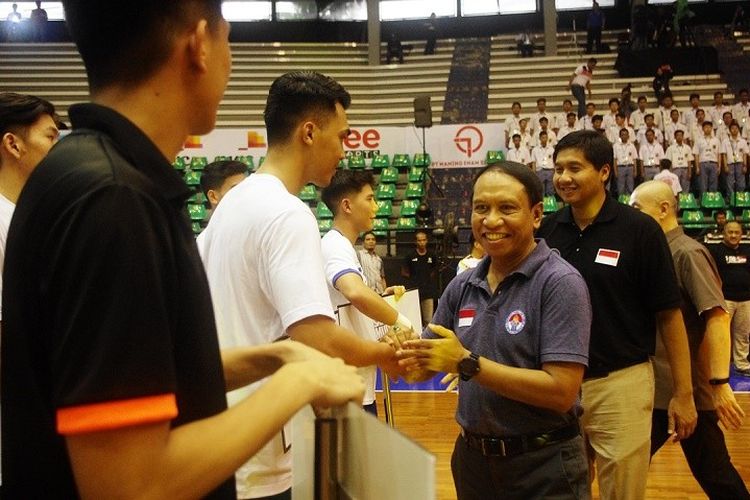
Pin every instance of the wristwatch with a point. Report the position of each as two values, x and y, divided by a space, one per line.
719 381
468 367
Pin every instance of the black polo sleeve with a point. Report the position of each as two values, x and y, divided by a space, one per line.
656 276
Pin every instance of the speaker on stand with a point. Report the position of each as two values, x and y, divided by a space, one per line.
423 120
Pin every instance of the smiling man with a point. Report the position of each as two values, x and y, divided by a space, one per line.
624 258
521 320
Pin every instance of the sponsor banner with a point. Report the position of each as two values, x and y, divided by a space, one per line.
449 146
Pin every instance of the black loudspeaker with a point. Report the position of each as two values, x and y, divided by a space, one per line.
422 112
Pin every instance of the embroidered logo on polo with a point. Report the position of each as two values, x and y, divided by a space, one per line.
736 259
466 317
515 322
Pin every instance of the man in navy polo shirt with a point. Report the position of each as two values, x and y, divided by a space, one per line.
624 258
522 321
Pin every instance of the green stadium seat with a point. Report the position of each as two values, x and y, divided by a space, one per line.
416 174
414 190
687 201
323 212
385 192
356 162
197 228
549 204
745 215
741 199
308 193
342 164
222 158
624 199
380 161
193 178
409 208
325 225
385 208
389 175
712 199
495 157
198 197
198 162
422 160
380 227
179 163
406 224
693 219
197 212
401 161
247 160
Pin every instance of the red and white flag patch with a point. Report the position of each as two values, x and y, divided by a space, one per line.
607 257
466 317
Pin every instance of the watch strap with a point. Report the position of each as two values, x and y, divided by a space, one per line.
719 381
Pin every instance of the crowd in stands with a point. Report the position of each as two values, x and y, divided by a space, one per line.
706 144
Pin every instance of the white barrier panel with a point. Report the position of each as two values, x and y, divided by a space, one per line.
449 146
349 317
375 461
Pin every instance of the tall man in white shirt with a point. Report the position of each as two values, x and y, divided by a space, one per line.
672 126
649 125
541 111
650 154
663 113
262 252
561 118
518 153
544 127
541 162
735 151
571 125
609 119
717 110
513 122
351 199
707 152
638 117
681 156
613 132
689 114
372 263
741 109
626 158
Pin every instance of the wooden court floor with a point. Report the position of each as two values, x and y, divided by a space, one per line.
428 418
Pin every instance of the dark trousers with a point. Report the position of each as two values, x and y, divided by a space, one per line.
594 37
706 454
580 94
284 495
558 471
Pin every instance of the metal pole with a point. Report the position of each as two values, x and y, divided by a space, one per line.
387 400
326 459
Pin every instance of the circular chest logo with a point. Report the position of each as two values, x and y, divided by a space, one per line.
515 322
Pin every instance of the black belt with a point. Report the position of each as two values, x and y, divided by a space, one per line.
491 446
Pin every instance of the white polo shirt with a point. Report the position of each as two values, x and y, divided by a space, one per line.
707 149
625 154
735 149
340 258
542 157
658 136
520 155
261 251
680 155
651 153
671 128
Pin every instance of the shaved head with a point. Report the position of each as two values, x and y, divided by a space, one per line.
656 199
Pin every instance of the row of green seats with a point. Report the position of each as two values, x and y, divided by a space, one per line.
380 226
713 200
197 163
400 160
388 191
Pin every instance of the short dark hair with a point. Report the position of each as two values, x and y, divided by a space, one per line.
592 60
694 95
522 174
366 233
19 111
215 173
568 101
571 113
541 99
344 183
642 98
543 132
614 99
514 103
597 118
595 147
665 164
294 96
543 118
127 41
621 114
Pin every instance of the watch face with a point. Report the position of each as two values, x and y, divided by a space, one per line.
468 367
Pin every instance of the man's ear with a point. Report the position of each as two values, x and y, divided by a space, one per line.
307 132
11 144
213 198
197 49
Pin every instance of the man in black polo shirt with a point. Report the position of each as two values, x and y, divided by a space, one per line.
421 267
112 376
625 260
733 262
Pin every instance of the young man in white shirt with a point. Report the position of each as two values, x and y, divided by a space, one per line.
664 112
351 199
650 154
513 122
526 138
544 127
681 156
613 132
580 84
690 112
741 109
541 111
668 177
707 152
735 150
571 125
638 117
586 121
696 130
672 126
625 159
263 258
717 110
722 131
541 162
561 119
518 152
610 119
649 125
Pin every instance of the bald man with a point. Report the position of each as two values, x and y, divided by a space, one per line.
707 324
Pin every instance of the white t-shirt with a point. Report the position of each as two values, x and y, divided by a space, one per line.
582 76
679 155
542 157
261 251
670 179
707 149
6 214
520 155
340 258
736 150
651 154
